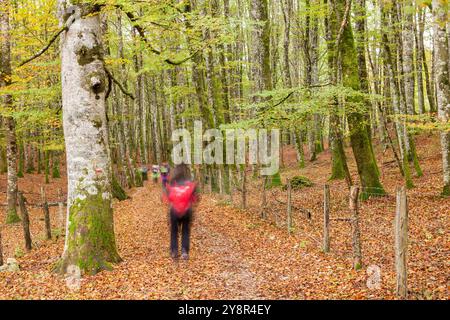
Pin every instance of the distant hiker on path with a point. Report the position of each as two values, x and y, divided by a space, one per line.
165 170
181 194
155 173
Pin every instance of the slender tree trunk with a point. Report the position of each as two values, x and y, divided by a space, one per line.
406 81
262 70
3 162
419 60
395 93
153 100
298 139
408 58
124 128
441 45
11 143
428 81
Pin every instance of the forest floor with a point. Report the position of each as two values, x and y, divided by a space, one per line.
237 255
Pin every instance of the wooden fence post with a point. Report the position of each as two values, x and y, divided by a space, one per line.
48 227
401 242
25 220
61 208
289 206
1 248
244 190
356 238
264 198
326 218
230 183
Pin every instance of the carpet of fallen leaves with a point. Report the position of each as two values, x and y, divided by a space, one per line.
237 255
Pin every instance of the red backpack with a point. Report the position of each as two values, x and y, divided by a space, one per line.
181 197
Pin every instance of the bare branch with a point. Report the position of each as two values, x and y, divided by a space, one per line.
283 100
141 32
65 27
119 84
44 49
344 23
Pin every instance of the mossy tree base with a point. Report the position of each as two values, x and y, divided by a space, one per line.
274 181
446 191
118 191
55 173
12 217
138 179
91 241
301 163
337 175
370 193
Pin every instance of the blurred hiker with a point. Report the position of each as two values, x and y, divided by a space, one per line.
144 173
155 173
182 194
164 169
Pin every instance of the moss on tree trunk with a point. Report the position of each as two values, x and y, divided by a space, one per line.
47 166
12 216
21 162
360 140
91 240
117 190
55 166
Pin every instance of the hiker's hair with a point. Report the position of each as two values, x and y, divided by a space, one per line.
180 173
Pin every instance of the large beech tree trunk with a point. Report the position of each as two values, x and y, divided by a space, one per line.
90 242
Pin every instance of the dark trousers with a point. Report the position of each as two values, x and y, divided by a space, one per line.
185 223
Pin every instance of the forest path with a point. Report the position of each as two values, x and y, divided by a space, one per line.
233 255
216 263
236 254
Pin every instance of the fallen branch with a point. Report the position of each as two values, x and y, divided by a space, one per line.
342 219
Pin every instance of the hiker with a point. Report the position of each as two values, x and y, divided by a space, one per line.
182 194
144 173
155 173
164 169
